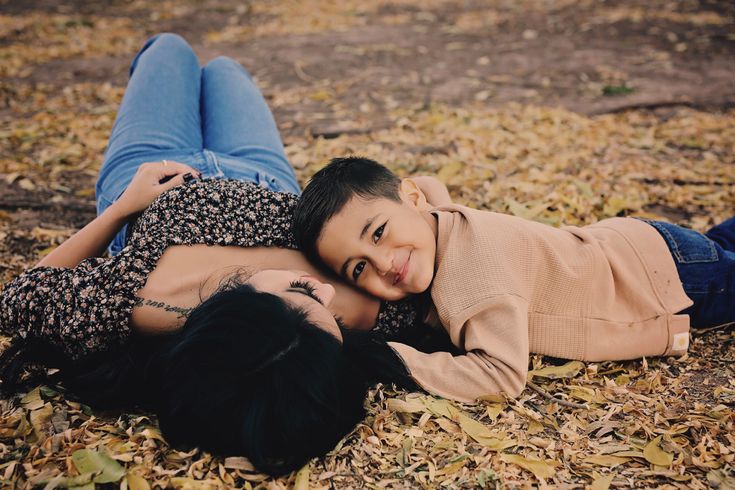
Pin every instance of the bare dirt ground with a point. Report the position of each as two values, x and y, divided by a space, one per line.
560 111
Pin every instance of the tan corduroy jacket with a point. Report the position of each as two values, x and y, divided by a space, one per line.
505 287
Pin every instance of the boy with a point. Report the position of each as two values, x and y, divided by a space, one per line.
503 286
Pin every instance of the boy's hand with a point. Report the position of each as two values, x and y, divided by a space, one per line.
151 180
435 191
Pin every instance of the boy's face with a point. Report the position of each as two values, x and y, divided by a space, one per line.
382 246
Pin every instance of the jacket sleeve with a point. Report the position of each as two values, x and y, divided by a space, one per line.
494 337
64 308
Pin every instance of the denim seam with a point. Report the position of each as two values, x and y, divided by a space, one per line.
212 158
712 257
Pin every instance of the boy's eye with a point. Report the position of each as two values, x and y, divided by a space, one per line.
358 270
378 233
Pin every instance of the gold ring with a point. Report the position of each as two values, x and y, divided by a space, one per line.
165 162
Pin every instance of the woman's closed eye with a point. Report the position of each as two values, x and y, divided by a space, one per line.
308 288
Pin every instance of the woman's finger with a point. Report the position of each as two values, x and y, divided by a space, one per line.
175 180
169 167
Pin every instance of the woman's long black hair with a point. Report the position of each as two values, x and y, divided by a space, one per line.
248 374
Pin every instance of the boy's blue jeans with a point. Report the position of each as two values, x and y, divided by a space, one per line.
212 118
706 266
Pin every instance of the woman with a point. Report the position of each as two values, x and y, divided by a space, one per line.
211 255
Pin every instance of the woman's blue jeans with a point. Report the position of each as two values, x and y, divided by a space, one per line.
212 118
706 266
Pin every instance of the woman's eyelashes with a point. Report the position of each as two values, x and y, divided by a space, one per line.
307 287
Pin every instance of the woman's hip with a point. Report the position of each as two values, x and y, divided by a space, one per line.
263 168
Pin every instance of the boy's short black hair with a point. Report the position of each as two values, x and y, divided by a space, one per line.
331 188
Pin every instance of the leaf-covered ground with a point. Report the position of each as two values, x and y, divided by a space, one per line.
559 111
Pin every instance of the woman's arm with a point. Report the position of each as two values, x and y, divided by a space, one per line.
92 240
435 191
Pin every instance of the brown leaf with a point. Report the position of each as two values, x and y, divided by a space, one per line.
568 370
655 455
602 482
540 469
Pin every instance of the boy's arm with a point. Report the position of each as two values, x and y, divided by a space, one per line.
495 358
435 191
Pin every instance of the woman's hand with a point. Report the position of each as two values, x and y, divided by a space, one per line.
150 181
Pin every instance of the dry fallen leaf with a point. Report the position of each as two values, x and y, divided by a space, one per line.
541 469
655 455
568 370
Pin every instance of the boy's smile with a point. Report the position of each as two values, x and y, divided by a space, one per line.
385 247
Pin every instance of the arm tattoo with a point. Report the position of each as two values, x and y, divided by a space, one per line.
178 310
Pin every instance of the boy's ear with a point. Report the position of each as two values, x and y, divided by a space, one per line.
412 195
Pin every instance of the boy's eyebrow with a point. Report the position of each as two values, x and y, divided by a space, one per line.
368 224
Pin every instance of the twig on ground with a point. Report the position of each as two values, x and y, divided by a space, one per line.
697 332
551 397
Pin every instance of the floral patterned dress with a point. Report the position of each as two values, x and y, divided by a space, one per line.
86 309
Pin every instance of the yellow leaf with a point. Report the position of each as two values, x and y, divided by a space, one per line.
40 418
32 400
494 410
440 407
12 177
136 482
88 192
540 469
183 483
452 468
517 209
582 393
50 234
606 460
238 463
655 455
410 405
106 469
628 454
602 482
448 171
26 185
584 188
47 250
15 426
320 95
152 433
498 398
302 479
448 425
534 427
568 370
482 434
